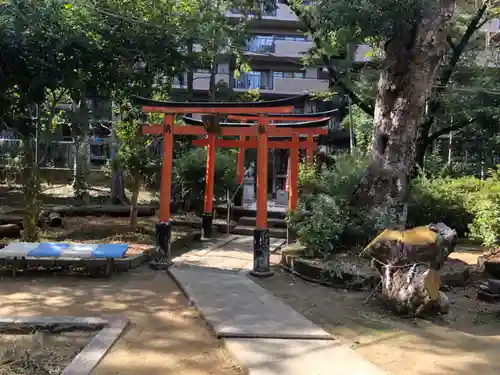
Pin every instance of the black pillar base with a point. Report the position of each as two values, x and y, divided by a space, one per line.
261 266
291 236
238 198
163 256
206 225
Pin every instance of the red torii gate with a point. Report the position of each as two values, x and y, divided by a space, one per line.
262 130
310 126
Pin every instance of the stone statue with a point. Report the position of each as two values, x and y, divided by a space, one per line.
250 171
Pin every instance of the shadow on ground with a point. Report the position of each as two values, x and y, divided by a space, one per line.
165 336
465 341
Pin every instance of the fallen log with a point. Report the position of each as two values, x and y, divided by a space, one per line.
105 210
11 219
55 220
10 231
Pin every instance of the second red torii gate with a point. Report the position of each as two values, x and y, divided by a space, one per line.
310 125
262 130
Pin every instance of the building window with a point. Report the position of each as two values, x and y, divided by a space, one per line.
299 74
261 44
295 38
254 80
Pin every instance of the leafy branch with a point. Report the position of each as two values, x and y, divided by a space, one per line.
333 74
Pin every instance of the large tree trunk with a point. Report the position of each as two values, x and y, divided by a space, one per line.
136 185
31 191
82 151
411 63
118 195
212 81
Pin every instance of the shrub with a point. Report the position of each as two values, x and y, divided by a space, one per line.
189 177
327 219
467 204
323 218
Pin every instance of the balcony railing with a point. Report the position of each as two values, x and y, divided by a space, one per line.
249 81
270 12
261 45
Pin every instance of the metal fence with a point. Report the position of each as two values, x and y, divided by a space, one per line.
57 154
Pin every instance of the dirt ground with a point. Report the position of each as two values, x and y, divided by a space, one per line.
465 341
165 335
63 195
40 352
99 229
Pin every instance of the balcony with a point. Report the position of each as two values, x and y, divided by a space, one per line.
280 13
261 45
279 46
201 81
254 80
268 84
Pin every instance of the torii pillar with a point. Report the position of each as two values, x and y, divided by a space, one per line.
207 217
261 246
164 226
293 187
240 173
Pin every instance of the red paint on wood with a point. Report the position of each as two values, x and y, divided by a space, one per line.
166 168
209 174
294 174
262 154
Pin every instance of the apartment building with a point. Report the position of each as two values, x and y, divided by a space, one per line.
275 51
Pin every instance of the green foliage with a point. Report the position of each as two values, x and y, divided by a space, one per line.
325 218
362 125
467 204
134 154
189 176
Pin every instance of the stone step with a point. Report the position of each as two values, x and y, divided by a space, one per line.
248 231
272 222
239 211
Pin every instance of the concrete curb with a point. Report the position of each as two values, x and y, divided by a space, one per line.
87 360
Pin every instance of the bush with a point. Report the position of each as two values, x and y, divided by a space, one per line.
327 219
467 204
324 218
189 177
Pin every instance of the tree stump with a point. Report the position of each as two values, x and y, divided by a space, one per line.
409 262
490 263
10 231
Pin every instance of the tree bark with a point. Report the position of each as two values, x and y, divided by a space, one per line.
213 83
82 150
133 203
118 195
31 191
190 73
411 64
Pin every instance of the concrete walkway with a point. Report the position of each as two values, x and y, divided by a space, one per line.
265 335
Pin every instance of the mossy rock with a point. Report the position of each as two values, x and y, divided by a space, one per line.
455 273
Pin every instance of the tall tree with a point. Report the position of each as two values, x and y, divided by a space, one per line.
412 38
